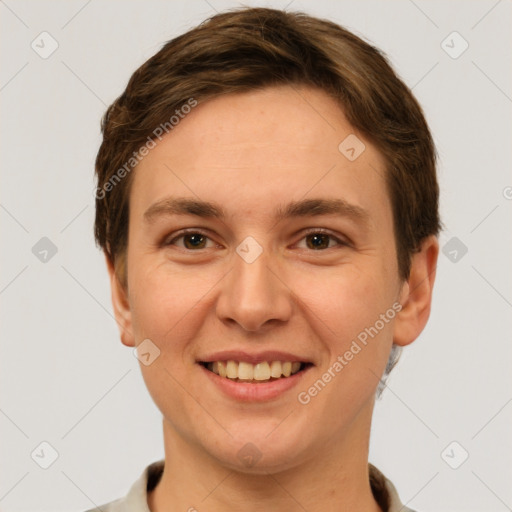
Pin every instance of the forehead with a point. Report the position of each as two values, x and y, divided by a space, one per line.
254 149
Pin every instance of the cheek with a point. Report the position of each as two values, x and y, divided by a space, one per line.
165 303
169 309
344 300
344 311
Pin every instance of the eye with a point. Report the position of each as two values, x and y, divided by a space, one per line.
318 240
191 240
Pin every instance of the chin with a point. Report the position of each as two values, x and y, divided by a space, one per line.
260 447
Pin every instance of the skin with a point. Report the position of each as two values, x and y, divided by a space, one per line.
251 152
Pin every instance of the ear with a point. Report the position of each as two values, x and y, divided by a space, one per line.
121 306
416 294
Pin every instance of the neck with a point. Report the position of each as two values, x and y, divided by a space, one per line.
334 479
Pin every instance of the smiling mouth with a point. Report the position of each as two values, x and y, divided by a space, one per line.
266 371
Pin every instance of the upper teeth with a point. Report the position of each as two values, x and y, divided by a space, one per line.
247 371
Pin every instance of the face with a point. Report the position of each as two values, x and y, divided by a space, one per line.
253 239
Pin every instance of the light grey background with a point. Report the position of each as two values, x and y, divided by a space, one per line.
65 377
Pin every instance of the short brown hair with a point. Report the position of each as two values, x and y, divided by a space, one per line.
252 48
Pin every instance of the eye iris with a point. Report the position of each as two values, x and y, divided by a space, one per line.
318 241
194 241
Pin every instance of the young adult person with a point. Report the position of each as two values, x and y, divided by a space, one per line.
268 206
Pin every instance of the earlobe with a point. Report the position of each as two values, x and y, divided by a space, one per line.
121 305
416 294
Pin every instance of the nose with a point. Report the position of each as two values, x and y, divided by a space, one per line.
253 295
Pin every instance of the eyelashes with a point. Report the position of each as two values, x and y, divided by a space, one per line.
195 240
319 236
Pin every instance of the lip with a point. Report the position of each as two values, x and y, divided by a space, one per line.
254 392
260 357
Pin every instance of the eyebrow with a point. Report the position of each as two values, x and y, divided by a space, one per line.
303 208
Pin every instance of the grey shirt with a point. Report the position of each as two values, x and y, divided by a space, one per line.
137 498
